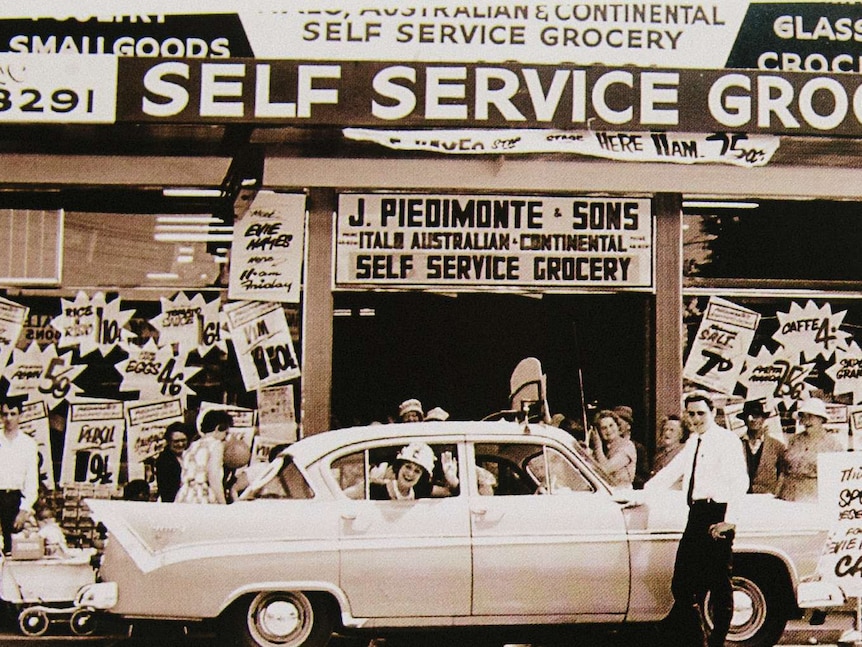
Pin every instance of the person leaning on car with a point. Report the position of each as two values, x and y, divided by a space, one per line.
714 477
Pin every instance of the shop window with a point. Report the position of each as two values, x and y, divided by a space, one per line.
30 246
772 307
789 243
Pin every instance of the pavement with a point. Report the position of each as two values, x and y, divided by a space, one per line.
799 633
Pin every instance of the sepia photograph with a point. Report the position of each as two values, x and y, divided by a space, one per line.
431 323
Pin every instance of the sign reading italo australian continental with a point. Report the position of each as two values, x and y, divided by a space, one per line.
468 241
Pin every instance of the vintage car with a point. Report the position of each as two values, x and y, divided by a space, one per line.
533 535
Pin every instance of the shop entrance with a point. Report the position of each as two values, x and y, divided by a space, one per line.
457 352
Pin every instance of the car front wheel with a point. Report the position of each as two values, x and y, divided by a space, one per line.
282 619
760 611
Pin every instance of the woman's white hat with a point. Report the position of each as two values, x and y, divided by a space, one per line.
418 453
410 405
814 406
437 413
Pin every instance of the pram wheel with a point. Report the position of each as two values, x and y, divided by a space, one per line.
83 622
33 622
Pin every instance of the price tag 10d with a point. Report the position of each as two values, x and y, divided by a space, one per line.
42 88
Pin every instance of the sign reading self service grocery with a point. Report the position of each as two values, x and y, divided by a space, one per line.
740 66
464 241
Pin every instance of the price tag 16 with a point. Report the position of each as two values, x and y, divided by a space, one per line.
67 88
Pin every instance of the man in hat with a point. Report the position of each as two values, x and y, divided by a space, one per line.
763 453
626 416
411 411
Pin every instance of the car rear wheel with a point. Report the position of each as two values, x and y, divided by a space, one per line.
283 619
760 608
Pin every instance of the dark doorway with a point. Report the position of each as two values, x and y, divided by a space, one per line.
457 352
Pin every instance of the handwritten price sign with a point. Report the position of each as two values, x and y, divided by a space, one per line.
94 439
719 350
156 372
43 375
261 337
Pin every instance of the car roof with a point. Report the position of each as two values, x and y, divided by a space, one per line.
311 448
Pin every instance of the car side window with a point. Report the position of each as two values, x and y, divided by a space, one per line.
527 468
378 472
556 474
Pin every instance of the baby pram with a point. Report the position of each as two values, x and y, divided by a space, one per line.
43 591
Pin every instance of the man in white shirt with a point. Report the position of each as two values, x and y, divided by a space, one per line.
19 471
715 477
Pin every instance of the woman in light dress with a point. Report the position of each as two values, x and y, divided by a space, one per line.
203 462
615 454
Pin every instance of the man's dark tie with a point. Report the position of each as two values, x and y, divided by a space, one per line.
693 468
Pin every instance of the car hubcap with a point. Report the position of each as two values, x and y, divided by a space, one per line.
280 618
749 610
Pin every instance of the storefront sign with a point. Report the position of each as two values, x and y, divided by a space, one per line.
444 30
43 375
94 439
504 95
469 241
145 427
156 372
769 68
266 255
262 341
679 148
721 345
34 423
839 488
12 317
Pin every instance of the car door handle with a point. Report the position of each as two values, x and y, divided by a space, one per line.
479 512
349 516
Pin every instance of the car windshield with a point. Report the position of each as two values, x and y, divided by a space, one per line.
582 453
282 480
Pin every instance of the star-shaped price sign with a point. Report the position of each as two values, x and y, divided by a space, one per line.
43 375
776 375
847 372
191 324
92 324
156 372
811 331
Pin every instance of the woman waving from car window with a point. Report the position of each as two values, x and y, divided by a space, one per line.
410 475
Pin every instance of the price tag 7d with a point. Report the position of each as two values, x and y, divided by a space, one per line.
39 88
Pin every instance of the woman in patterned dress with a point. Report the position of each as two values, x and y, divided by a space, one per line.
203 461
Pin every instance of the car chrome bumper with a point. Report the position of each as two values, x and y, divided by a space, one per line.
817 594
